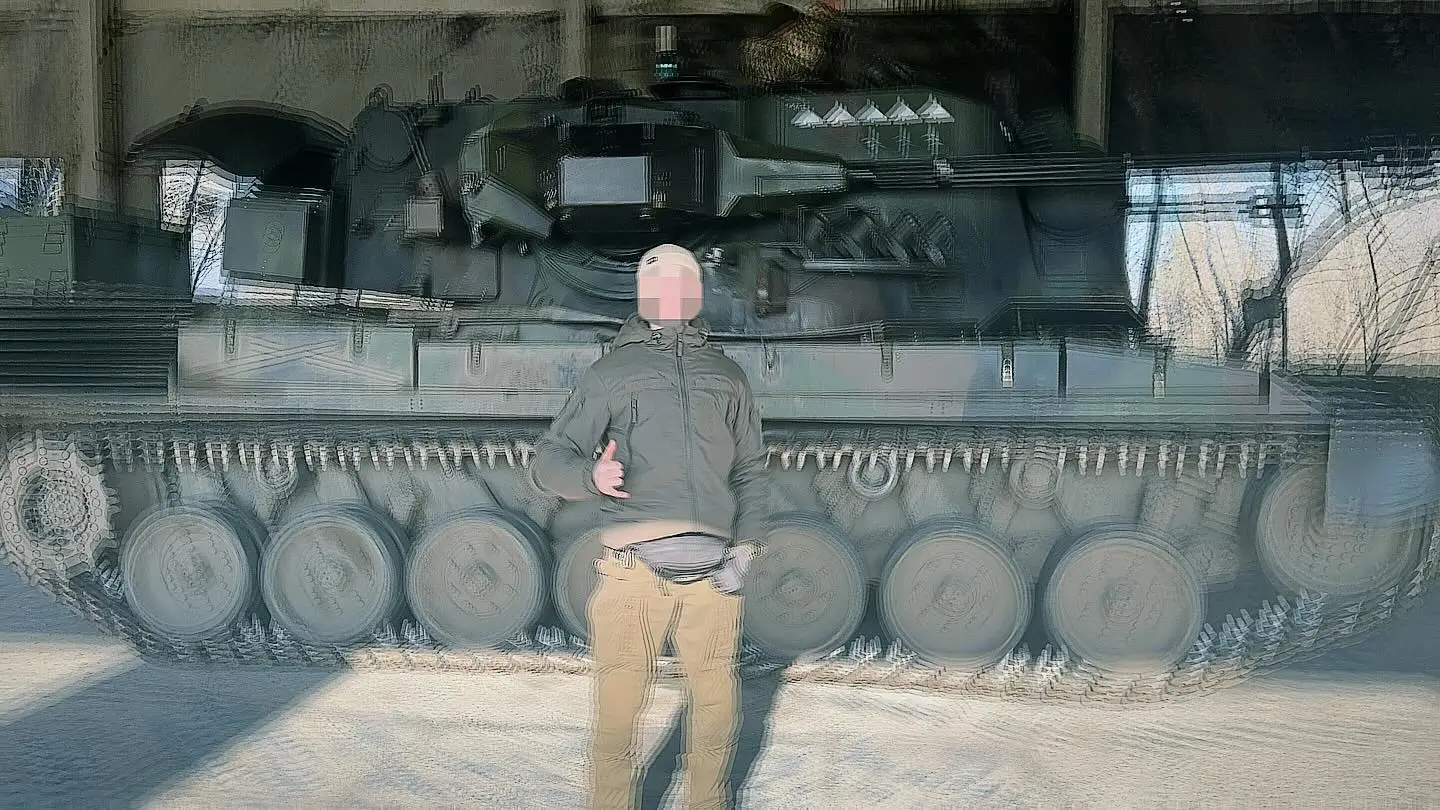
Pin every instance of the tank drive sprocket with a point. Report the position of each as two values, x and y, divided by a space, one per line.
55 509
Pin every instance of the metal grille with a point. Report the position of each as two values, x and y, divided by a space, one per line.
96 339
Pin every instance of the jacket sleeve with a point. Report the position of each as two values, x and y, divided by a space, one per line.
749 479
564 456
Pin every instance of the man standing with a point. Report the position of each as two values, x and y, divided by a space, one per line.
686 498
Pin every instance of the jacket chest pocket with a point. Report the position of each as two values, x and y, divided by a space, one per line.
710 413
653 421
662 419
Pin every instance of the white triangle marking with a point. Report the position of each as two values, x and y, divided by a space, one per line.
839 116
933 113
902 114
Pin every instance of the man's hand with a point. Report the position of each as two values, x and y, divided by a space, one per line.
609 474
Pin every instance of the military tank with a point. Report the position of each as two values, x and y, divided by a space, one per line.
989 478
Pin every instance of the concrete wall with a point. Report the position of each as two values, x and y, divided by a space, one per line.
327 66
37 111
166 60
325 55
81 79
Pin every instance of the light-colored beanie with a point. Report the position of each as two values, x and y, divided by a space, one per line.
662 258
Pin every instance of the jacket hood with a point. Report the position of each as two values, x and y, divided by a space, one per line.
694 334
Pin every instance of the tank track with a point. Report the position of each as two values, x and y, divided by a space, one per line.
1277 632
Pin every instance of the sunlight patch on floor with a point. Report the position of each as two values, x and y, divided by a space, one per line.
37 670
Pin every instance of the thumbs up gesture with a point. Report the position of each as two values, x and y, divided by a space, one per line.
609 474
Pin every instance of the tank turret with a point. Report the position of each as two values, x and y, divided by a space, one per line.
613 177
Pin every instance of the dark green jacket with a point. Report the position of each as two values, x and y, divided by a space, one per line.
686 429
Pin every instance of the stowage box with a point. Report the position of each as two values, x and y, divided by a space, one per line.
49 254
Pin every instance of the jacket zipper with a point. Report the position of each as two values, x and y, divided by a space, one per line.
630 433
685 423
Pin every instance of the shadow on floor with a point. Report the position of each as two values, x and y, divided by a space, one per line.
757 700
27 610
119 741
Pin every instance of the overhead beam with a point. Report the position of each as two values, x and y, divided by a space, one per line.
1264 7
249 10
700 8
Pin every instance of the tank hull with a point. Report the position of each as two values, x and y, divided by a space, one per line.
981 517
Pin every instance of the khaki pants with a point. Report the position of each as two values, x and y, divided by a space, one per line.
631 612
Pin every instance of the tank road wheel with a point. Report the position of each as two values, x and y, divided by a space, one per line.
331 575
1299 553
805 596
189 570
478 578
575 580
954 595
1125 601
55 511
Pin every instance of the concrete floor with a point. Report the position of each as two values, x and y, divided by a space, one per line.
84 724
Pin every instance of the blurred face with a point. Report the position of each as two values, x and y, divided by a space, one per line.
668 294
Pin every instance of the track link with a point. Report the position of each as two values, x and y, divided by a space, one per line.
1277 632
